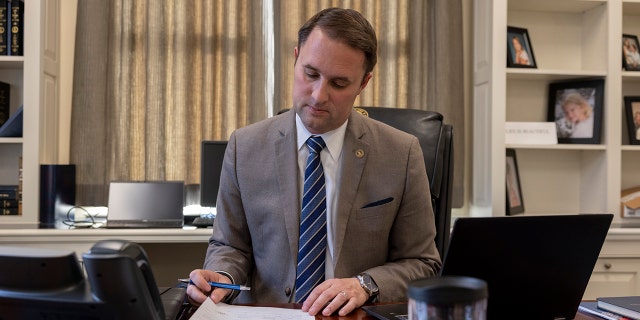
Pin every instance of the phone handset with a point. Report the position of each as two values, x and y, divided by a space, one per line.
120 274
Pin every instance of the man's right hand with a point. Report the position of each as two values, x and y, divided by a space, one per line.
199 289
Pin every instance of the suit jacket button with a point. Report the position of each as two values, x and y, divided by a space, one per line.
287 291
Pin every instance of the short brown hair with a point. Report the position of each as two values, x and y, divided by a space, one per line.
348 26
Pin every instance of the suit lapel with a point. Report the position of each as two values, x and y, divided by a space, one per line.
355 151
287 161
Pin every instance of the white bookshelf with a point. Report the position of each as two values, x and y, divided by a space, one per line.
34 84
571 39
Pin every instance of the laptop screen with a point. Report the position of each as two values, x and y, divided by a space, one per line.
536 267
146 204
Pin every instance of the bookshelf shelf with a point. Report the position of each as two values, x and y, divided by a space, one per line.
10 62
11 140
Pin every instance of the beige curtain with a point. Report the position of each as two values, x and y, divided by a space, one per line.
154 78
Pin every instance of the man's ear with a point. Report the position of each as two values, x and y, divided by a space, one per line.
365 81
295 55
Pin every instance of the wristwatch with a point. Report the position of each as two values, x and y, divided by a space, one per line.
370 286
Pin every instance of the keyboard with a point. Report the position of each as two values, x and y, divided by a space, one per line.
141 224
203 221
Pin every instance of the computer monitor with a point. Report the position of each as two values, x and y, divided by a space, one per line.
211 160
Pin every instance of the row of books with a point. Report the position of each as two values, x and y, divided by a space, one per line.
10 200
11 27
613 308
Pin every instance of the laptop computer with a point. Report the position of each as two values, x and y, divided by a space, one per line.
157 204
536 267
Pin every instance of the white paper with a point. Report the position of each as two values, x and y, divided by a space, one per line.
222 311
530 133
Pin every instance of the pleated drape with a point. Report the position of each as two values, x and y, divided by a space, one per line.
153 79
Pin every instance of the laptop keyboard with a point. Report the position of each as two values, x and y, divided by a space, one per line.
144 224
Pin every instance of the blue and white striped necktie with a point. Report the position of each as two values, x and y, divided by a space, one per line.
313 223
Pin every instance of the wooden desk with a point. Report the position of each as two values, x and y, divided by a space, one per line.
357 314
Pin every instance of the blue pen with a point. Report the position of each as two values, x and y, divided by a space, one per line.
220 285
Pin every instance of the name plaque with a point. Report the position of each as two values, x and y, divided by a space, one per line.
530 133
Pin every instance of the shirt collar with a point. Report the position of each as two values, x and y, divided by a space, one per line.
333 139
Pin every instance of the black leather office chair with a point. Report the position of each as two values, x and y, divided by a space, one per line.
436 141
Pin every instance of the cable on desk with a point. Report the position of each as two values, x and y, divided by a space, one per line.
70 221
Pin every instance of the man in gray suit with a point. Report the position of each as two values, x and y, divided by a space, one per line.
379 221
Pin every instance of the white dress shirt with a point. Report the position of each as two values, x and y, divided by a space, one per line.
330 158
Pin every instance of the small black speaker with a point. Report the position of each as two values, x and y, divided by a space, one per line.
57 192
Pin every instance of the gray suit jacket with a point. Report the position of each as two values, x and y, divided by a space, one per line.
255 233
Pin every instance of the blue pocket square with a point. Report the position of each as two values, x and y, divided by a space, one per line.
378 203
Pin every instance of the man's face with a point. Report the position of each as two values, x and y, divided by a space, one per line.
328 76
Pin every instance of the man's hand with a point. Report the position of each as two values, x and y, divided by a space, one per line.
201 290
344 295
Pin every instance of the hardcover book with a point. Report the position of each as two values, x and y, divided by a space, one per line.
9 211
16 23
628 306
5 91
4 31
8 203
591 307
20 186
9 192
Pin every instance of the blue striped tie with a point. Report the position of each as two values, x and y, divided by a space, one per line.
313 224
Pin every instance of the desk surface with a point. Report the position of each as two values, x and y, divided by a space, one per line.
192 235
358 314
177 235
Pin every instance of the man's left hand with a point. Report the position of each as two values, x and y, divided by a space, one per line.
344 295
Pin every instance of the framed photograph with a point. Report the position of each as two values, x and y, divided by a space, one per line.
630 54
577 108
515 203
632 110
519 49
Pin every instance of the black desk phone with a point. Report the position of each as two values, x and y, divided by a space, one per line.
39 284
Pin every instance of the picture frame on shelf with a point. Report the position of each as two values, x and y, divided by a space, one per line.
630 52
632 111
519 48
515 201
576 107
